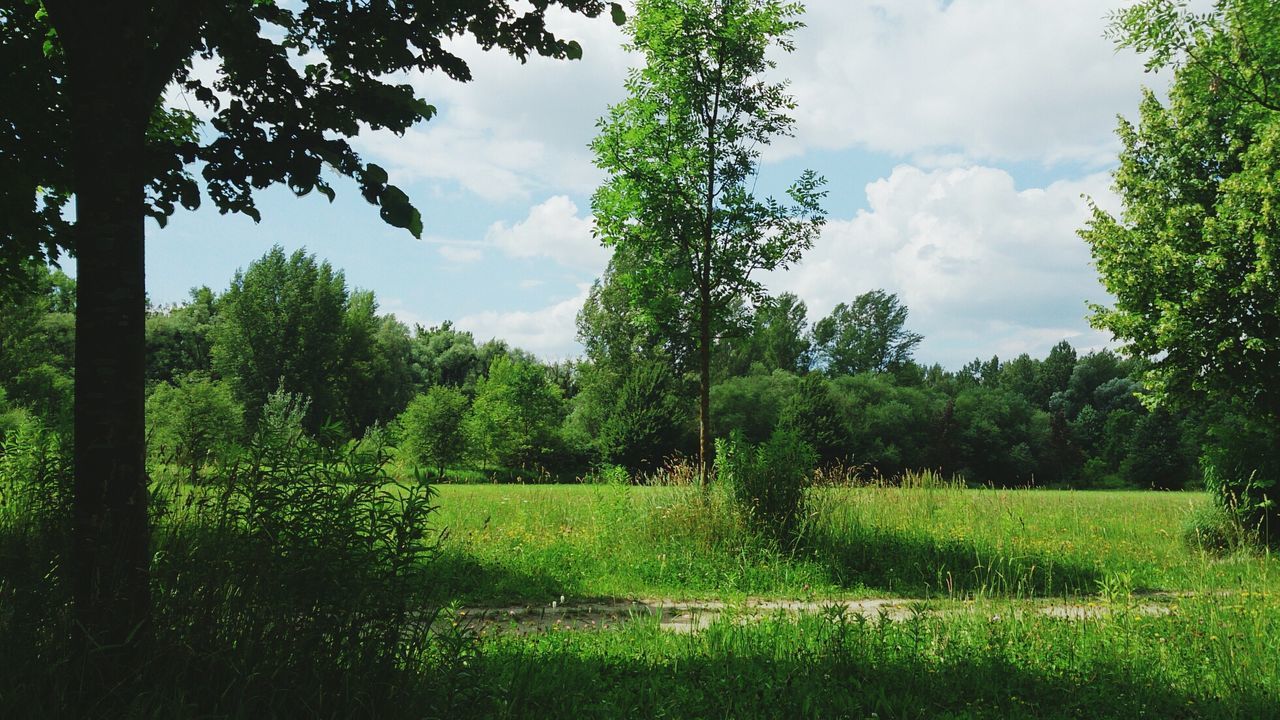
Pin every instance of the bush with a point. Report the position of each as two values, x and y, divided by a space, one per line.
193 422
1217 529
768 480
296 585
1242 469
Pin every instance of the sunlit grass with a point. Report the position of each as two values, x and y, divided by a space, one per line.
538 542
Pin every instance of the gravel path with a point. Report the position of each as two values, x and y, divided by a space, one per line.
686 616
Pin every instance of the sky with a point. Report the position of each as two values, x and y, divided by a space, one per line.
961 142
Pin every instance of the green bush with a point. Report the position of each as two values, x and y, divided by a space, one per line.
295 585
193 422
768 480
1241 464
1216 528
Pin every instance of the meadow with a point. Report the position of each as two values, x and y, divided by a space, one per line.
1023 603
512 543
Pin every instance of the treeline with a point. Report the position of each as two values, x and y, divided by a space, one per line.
847 384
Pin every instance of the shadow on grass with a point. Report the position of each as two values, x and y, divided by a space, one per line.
462 577
904 564
562 683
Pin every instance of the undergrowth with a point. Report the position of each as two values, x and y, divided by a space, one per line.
293 584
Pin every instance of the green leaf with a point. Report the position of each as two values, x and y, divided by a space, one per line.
619 15
375 175
574 50
397 211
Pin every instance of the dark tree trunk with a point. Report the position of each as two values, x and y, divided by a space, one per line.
705 447
105 47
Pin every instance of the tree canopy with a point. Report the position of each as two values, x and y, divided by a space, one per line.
1191 260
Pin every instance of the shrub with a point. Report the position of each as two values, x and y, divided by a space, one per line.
296 585
1242 468
194 421
1217 529
768 480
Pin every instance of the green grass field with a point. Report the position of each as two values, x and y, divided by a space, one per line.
534 543
983 564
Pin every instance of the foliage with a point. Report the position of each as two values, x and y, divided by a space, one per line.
997 436
1242 467
444 355
290 321
179 338
776 338
816 416
295 580
515 417
86 118
35 343
643 423
680 152
430 430
867 335
193 421
1191 260
754 404
769 480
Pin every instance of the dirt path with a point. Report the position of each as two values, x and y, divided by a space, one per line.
690 616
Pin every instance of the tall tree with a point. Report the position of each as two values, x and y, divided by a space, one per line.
86 119
281 326
867 335
1192 259
681 151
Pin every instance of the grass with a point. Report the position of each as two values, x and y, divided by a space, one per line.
975 648
533 543
282 631
1206 660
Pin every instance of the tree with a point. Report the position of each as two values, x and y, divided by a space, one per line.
86 119
444 355
190 420
179 339
817 418
379 381
431 430
282 326
1192 259
867 335
643 423
776 338
681 151
515 416
1054 373
36 345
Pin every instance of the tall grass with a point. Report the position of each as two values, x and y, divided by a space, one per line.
291 584
923 537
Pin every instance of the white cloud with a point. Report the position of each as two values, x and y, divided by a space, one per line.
554 230
982 266
515 129
549 332
980 80
461 253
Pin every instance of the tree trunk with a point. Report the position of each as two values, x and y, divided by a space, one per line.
705 448
105 46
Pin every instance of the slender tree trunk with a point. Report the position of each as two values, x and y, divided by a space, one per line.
705 448
105 47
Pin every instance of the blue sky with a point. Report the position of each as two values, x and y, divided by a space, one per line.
957 138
